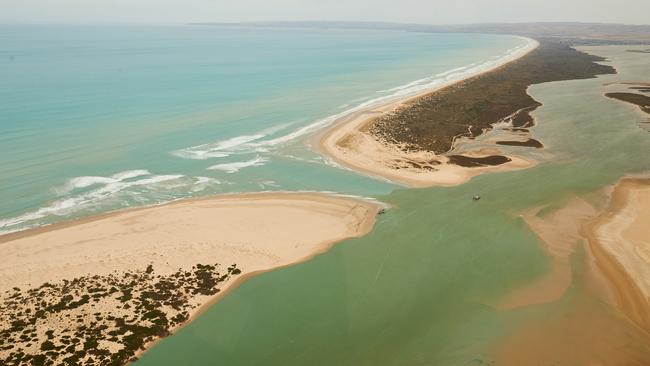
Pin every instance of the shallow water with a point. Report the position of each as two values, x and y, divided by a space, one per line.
422 288
99 118
96 119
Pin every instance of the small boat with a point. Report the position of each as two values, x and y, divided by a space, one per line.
476 198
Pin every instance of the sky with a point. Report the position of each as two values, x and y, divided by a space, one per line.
405 11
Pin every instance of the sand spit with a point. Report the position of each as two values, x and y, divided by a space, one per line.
350 143
102 288
465 128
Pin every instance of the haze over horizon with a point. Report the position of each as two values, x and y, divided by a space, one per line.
406 11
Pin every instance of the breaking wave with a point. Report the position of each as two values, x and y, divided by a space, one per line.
264 141
88 193
237 166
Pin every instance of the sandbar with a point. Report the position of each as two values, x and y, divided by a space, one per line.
620 240
118 281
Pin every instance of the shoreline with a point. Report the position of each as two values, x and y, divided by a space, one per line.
609 271
616 238
327 141
610 224
14 235
253 233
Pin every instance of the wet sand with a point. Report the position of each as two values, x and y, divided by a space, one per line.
129 264
620 241
597 248
617 242
559 233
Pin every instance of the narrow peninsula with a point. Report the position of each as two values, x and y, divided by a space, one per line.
429 139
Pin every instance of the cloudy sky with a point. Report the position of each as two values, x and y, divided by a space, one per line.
417 11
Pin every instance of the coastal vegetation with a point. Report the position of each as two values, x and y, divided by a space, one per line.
642 101
120 282
469 108
527 143
103 320
103 289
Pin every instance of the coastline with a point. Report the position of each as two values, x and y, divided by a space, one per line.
604 231
612 227
464 128
476 261
352 130
172 240
618 240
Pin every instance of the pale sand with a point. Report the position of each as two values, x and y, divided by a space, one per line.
559 231
616 232
620 240
615 223
255 231
349 144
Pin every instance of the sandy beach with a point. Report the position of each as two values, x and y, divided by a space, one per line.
349 143
620 242
615 230
194 240
256 231
613 226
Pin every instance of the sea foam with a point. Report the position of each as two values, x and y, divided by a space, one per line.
256 143
88 181
94 190
227 147
106 188
237 166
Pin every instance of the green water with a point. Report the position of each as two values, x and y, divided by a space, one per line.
419 288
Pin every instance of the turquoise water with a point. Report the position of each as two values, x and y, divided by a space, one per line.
95 119
99 118
423 287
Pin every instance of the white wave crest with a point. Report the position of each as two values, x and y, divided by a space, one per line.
399 92
225 148
89 181
110 188
201 183
83 182
237 166
128 174
257 143
215 150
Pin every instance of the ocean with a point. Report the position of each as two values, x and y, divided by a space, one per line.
428 284
100 118
95 119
